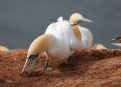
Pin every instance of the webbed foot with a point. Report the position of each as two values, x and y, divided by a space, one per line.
45 68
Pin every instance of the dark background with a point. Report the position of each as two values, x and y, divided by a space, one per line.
21 21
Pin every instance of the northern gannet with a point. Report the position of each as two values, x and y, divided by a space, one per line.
58 43
81 32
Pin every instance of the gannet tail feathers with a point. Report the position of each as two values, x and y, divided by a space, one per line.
60 18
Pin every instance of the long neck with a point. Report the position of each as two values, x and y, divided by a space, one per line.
76 32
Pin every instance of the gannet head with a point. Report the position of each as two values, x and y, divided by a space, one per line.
99 46
116 41
77 18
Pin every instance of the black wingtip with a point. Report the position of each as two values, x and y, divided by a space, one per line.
54 20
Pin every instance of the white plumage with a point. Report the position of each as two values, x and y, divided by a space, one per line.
87 37
65 41
58 43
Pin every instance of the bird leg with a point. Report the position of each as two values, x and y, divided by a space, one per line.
46 67
71 65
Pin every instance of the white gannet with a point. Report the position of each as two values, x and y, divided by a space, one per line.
117 41
81 32
58 43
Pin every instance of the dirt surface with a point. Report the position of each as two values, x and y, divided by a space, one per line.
94 68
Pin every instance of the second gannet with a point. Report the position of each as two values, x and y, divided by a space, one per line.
81 32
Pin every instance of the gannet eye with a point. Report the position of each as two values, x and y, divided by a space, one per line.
79 21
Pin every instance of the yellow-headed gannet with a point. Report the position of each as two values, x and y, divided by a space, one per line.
58 43
82 33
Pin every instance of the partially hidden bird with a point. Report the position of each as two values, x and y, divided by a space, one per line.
3 48
99 46
58 43
83 34
117 41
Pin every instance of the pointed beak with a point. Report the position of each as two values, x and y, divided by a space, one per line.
116 40
31 59
113 40
85 21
